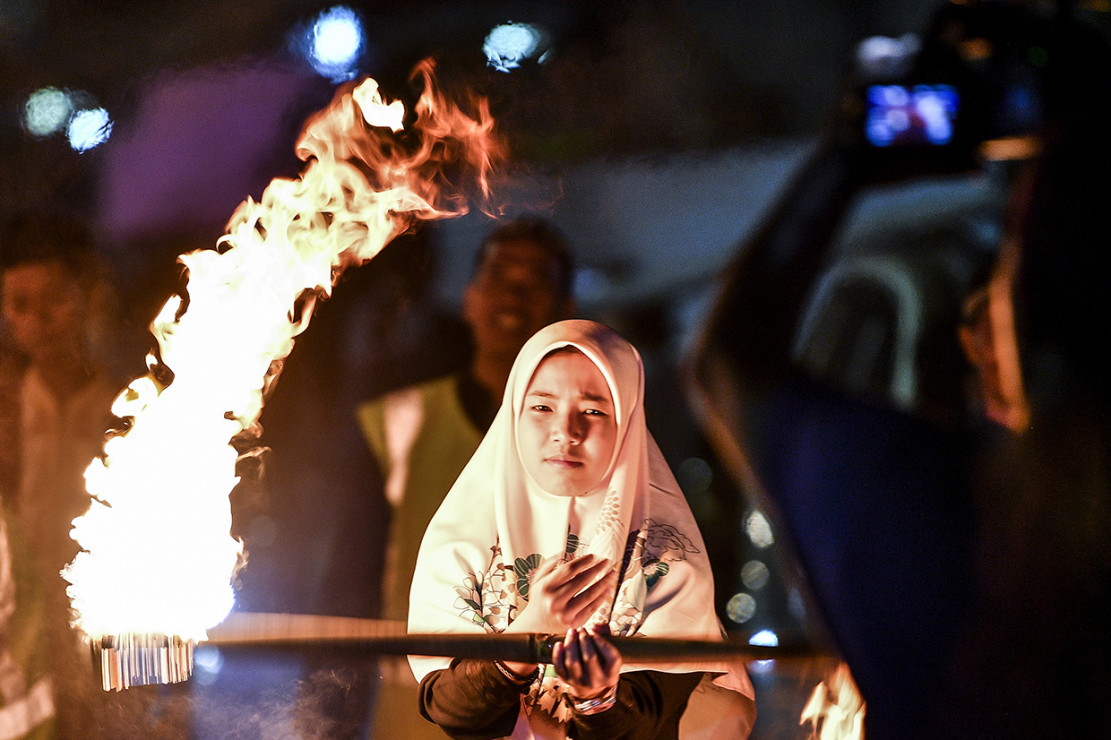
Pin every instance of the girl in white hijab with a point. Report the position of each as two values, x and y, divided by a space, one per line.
568 520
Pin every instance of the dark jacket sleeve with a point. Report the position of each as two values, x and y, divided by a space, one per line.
471 700
649 705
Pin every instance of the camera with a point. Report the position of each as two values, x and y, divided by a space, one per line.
911 115
978 76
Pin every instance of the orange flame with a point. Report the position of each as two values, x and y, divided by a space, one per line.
836 708
157 555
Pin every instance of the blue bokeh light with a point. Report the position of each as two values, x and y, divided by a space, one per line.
335 43
509 44
764 638
89 128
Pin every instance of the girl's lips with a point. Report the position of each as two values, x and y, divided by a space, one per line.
562 462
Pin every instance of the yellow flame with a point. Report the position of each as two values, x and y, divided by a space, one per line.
835 708
157 555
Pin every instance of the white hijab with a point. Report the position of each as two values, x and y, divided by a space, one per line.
496 524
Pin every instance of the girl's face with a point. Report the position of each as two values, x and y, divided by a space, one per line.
568 428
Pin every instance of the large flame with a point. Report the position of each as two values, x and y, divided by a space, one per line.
157 555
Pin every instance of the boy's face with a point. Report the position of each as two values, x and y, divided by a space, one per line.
567 429
42 305
513 295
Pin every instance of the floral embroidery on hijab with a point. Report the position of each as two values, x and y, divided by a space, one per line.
489 598
492 598
666 542
524 568
654 570
648 554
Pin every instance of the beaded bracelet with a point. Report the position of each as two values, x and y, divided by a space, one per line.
515 677
597 704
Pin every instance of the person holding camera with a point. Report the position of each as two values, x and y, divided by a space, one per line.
963 576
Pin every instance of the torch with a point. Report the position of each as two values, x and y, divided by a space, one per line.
384 637
157 559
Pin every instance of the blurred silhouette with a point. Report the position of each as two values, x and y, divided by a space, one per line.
1036 658
27 700
53 296
56 399
423 435
958 568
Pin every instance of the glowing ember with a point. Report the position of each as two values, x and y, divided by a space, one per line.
835 709
157 556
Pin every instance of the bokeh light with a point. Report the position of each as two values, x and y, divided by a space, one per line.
754 575
882 57
89 128
509 44
759 530
335 43
796 604
741 608
208 661
47 111
694 475
764 638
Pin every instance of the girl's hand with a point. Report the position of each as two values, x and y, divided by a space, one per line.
588 663
564 595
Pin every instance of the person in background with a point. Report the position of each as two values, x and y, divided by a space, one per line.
1034 660
567 520
423 435
964 577
26 685
55 400
51 292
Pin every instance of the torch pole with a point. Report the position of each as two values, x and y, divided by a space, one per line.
131 659
390 638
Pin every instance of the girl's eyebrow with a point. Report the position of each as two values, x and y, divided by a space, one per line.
593 398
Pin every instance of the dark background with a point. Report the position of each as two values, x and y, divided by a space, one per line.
659 108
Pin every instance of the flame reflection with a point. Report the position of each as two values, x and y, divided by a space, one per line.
835 709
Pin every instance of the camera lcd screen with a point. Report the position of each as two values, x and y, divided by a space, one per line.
911 115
